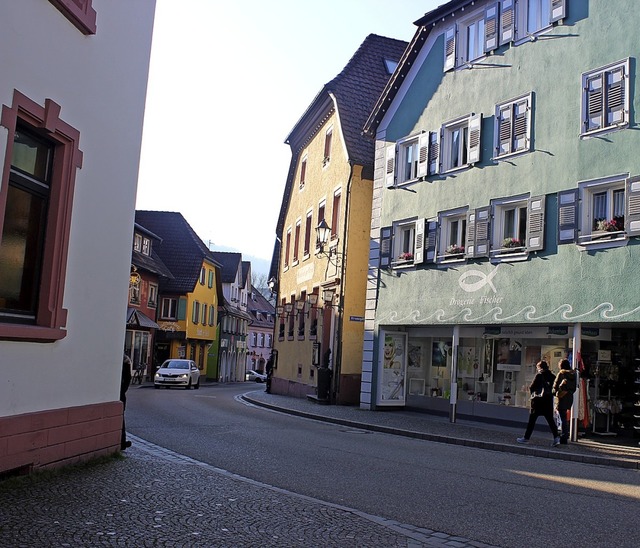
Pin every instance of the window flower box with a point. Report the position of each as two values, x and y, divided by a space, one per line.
454 250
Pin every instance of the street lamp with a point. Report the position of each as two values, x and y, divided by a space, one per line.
323 231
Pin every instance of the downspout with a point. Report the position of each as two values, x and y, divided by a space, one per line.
338 362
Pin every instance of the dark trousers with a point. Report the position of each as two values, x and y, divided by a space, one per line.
547 413
123 436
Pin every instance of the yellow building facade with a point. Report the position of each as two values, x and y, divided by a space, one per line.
322 248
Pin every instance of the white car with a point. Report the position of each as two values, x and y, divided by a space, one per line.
255 376
177 373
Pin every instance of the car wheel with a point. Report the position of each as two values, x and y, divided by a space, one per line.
258 379
156 386
197 385
188 387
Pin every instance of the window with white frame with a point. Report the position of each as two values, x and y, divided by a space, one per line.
137 242
212 312
460 142
203 275
534 16
517 225
328 137
169 309
153 296
605 98
146 246
453 234
408 154
472 35
603 205
408 242
195 315
512 133
205 313
303 172
409 158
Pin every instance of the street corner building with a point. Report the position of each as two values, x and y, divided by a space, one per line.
506 213
74 80
319 266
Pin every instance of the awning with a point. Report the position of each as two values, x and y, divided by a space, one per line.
139 319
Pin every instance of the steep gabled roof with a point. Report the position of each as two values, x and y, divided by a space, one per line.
353 94
424 24
229 264
181 250
246 269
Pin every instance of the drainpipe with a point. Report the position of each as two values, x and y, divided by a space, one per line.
337 364
577 343
453 396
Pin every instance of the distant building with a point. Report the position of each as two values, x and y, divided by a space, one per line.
188 302
260 338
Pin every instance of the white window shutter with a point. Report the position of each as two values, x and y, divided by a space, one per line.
434 153
503 131
558 10
507 22
418 253
385 246
473 145
567 216
481 233
432 240
470 244
632 217
450 48
522 125
390 166
423 155
535 223
491 27
616 82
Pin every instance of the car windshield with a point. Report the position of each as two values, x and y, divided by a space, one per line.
176 365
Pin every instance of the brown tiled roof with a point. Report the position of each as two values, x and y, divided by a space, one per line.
353 93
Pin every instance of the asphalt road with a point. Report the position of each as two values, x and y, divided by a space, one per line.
493 497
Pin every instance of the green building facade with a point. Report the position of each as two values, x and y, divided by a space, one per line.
506 212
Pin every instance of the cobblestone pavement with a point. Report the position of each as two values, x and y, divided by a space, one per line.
591 450
155 497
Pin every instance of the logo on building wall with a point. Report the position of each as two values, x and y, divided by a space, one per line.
474 280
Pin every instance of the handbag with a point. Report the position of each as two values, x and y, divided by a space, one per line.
558 421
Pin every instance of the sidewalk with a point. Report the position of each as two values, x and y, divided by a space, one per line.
603 451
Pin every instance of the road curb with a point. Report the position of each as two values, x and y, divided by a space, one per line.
557 454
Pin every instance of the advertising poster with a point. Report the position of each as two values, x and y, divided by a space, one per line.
393 368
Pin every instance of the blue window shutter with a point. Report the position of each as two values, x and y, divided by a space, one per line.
568 216
182 308
507 22
491 27
558 10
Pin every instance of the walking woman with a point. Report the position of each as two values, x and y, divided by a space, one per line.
542 402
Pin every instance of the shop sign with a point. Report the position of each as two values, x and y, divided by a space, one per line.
356 318
559 330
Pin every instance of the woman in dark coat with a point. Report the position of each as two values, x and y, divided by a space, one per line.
563 388
542 402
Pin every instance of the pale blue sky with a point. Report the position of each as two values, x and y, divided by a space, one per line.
228 81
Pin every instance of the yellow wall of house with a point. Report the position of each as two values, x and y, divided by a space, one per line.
322 181
357 261
203 294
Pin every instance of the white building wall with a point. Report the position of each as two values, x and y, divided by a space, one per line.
100 83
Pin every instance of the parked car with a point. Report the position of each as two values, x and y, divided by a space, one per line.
177 373
255 376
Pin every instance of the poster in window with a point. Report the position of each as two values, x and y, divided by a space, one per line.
392 380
